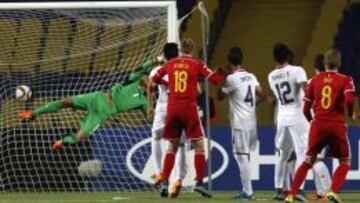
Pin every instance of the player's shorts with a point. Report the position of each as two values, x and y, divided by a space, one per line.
330 134
244 140
97 108
292 137
183 116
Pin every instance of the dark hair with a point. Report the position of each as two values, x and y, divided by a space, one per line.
319 62
235 56
171 50
281 53
187 46
291 57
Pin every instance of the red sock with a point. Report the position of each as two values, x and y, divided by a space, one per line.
168 164
199 165
300 176
339 176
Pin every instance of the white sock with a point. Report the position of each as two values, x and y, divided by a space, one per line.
280 169
322 177
245 172
156 154
180 163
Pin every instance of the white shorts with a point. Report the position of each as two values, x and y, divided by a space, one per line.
293 137
244 140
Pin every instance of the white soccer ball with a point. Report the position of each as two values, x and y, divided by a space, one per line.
90 168
23 92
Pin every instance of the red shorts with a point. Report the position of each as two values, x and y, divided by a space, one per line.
331 135
183 116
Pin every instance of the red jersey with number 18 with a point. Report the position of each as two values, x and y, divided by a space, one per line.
328 92
183 75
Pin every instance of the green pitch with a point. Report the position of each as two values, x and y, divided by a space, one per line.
139 197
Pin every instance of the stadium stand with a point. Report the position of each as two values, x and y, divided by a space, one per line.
348 42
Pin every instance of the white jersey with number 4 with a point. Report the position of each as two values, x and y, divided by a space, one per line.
285 84
240 86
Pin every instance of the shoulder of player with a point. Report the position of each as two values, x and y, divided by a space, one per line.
341 75
190 59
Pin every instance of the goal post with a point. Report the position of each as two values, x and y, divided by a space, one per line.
63 49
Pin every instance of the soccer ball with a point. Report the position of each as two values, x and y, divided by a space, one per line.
23 92
90 168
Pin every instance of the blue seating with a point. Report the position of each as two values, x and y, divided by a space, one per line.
348 42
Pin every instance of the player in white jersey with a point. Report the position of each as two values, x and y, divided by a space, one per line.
287 82
244 93
157 131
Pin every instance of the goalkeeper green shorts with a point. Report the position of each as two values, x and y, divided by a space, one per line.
97 107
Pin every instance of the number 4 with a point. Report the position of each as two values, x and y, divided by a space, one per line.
249 96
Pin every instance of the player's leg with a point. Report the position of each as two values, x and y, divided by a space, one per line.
241 151
340 149
315 145
47 108
322 179
284 145
156 149
289 174
88 125
181 159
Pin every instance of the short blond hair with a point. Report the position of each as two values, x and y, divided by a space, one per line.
332 59
187 46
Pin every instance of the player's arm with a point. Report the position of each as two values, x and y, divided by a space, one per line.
349 93
260 96
216 77
301 78
225 88
308 101
143 69
150 98
158 77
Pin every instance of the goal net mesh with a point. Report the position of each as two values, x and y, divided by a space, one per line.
67 52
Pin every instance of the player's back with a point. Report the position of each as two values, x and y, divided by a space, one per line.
183 74
327 92
285 84
241 87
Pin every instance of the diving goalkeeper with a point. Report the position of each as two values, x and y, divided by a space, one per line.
100 106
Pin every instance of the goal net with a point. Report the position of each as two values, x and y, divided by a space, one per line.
67 49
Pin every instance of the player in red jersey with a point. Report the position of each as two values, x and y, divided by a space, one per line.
182 111
328 94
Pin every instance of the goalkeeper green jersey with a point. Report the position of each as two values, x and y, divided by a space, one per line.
127 97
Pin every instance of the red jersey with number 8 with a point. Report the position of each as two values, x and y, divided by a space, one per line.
328 92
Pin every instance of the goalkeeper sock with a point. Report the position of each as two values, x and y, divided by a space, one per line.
48 108
168 164
339 176
199 162
69 139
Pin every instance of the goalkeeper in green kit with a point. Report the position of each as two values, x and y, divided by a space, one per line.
99 105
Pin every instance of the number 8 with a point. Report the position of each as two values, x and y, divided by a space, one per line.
326 97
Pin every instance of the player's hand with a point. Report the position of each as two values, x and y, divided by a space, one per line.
150 113
160 59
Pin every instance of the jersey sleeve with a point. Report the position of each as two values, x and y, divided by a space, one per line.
157 78
300 75
349 86
228 85
256 81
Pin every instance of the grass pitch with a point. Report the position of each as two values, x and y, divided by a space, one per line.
140 197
